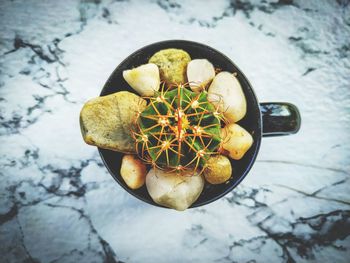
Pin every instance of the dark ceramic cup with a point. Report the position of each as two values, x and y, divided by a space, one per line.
261 120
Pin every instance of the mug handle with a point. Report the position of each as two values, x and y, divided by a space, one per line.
279 118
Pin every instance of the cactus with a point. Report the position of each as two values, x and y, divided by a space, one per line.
178 130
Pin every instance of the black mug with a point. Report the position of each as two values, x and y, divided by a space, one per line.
261 120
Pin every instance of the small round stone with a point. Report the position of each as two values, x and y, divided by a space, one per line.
218 169
172 64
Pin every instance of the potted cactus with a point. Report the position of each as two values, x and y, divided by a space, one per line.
177 134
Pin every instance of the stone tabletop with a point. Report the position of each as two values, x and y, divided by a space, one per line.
59 204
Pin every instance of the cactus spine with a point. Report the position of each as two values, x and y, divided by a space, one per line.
178 130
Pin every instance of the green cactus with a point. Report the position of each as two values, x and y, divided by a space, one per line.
178 130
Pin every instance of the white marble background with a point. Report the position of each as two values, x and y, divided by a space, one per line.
59 204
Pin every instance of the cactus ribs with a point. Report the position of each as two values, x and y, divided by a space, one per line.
178 130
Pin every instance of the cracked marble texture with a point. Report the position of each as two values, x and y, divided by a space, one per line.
59 204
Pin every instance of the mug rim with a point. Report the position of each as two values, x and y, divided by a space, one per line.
249 86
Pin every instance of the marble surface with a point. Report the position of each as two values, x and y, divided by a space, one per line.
59 204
